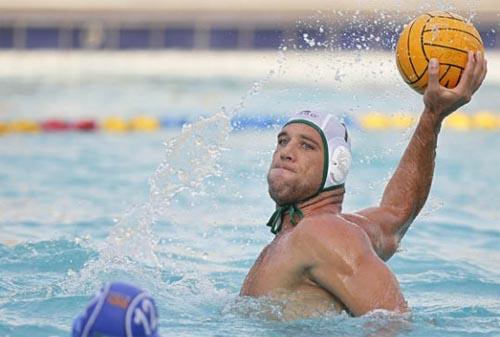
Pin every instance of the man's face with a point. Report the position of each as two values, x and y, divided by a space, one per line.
296 171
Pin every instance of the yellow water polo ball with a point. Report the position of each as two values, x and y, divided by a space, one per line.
442 35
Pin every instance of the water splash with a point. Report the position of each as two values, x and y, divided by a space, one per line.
190 159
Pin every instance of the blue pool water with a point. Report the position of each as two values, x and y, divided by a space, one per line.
183 213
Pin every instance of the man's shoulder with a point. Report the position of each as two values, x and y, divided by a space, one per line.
329 229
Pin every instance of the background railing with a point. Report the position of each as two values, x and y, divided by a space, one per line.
218 24
123 36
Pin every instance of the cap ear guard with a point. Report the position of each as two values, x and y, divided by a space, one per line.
340 164
340 161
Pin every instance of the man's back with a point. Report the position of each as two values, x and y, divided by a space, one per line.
290 269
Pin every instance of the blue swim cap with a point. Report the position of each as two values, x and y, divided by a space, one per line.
118 310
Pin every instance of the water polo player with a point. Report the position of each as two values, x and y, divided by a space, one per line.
118 310
322 259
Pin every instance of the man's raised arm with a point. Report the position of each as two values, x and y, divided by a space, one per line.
407 190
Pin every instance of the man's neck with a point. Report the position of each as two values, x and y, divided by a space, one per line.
328 201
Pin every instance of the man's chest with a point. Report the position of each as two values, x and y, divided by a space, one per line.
277 268
283 276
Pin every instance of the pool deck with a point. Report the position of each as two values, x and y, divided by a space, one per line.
281 9
256 5
321 68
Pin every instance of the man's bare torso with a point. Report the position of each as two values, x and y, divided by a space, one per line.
325 263
281 272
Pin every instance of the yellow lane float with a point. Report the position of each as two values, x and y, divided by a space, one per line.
144 123
401 121
378 121
458 121
115 124
486 120
3 128
374 121
23 126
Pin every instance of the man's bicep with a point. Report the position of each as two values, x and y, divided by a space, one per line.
380 224
393 220
368 285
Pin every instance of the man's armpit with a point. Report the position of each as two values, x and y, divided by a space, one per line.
384 243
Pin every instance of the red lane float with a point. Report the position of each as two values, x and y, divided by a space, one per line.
85 125
55 125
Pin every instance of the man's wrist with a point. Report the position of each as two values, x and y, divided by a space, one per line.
432 119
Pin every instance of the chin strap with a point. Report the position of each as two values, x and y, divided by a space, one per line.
276 219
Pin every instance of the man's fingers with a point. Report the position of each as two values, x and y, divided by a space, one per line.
479 66
485 70
433 71
469 68
467 75
481 72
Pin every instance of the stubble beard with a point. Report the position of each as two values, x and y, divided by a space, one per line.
287 192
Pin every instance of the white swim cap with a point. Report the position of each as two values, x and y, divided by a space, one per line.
337 154
336 144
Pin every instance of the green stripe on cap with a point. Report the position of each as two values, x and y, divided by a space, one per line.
325 148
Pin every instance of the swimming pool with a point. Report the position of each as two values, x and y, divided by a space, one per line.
187 219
